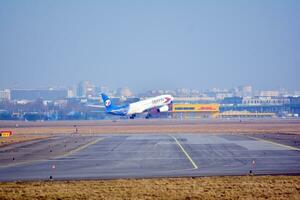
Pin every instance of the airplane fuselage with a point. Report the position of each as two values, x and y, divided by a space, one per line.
147 104
160 102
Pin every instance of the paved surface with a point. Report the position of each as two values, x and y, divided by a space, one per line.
153 155
43 149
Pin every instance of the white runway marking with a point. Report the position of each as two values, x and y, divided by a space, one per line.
275 143
186 154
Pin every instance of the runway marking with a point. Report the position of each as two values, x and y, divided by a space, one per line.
80 148
275 143
57 157
185 153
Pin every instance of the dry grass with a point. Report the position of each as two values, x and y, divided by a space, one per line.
242 187
37 130
155 126
19 138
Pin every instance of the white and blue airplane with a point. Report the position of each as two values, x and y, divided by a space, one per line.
159 102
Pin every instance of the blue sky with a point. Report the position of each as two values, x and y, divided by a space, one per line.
150 44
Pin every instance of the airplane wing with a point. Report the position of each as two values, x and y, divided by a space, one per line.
95 106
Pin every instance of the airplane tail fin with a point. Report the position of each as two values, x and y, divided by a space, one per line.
106 101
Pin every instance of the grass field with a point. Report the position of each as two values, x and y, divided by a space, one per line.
238 187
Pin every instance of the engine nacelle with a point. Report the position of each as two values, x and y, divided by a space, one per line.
163 109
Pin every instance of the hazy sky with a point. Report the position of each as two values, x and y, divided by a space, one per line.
150 44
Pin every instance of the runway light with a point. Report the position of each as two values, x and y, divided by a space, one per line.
51 178
53 166
5 133
253 162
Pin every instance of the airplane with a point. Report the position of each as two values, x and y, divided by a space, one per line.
159 102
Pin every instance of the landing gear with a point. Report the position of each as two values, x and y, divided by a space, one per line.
148 116
132 116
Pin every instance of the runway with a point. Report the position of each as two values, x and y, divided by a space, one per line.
151 155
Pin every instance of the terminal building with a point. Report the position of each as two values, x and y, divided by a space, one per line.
245 114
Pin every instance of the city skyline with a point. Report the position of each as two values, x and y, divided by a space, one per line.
74 86
87 89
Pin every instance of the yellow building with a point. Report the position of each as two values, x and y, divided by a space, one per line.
195 110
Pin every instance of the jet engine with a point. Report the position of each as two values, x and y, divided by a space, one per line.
163 109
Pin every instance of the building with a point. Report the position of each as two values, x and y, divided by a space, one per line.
85 89
194 100
232 100
269 93
265 101
247 90
124 92
294 105
33 94
245 114
187 111
4 95
277 105
71 92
